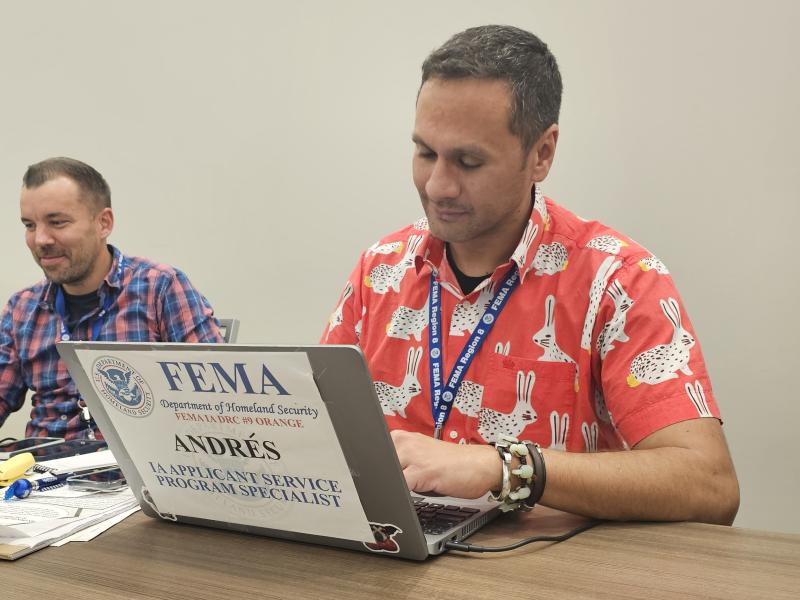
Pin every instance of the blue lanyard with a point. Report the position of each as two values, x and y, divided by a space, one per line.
442 398
61 309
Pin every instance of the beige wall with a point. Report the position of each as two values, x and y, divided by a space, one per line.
260 145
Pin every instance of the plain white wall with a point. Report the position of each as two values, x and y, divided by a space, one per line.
260 146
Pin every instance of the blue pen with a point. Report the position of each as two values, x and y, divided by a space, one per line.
22 488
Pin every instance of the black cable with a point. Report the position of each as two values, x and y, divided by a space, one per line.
464 547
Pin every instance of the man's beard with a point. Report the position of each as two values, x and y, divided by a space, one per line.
75 271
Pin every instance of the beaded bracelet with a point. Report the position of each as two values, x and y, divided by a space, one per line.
508 447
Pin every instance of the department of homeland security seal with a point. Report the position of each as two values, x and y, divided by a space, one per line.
122 387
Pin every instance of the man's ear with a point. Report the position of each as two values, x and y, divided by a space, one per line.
105 221
542 154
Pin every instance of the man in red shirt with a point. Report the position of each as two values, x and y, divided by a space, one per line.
503 317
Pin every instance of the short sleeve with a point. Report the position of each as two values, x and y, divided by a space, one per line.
652 370
347 319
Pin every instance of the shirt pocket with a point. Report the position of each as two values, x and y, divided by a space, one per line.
519 398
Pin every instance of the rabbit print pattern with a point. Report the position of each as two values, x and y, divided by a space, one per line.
661 363
394 400
615 329
604 273
558 431
550 259
590 433
651 262
470 394
531 229
337 317
502 349
600 407
387 248
492 424
467 314
607 243
593 296
360 323
546 338
407 321
384 277
698 398
469 398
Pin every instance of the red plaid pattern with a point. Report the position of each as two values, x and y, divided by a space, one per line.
151 302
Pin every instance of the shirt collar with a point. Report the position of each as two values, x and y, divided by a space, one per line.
115 273
431 249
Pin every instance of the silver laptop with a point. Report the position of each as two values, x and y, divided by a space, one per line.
395 517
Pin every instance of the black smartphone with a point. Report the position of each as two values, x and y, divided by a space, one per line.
102 479
30 444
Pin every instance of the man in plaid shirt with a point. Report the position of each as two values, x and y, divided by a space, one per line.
91 291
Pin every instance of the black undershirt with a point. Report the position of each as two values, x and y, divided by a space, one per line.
467 283
79 306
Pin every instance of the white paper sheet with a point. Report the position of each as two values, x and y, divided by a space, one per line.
46 517
88 534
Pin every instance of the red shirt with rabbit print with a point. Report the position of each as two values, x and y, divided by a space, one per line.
592 351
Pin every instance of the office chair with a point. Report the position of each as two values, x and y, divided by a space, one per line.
229 328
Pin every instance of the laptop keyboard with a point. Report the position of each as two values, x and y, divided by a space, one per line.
438 518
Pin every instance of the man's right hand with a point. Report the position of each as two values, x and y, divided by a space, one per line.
434 466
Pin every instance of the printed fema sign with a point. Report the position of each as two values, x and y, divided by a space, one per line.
228 437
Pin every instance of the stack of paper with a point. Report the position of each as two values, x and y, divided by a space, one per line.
47 517
60 515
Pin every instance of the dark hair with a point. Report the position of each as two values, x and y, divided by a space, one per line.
94 187
510 54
